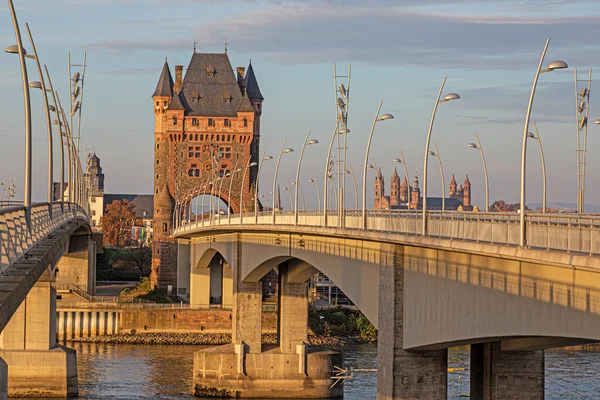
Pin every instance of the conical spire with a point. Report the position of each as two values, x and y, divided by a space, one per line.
453 181
165 201
165 82
404 183
395 175
467 181
252 89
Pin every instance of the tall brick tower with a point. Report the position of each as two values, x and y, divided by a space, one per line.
207 125
395 189
467 192
452 192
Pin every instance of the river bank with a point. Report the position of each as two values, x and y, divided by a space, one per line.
211 339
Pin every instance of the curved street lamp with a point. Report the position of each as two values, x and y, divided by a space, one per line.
402 161
350 171
235 171
314 180
282 152
60 138
364 194
436 154
487 187
18 49
287 189
263 159
551 67
539 139
448 97
301 194
42 85
249 165
306 142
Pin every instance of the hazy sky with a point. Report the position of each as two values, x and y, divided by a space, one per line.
399 49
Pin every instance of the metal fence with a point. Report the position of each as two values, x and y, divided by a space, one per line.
579 233
21 228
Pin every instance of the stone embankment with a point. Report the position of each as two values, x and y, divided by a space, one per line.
207 339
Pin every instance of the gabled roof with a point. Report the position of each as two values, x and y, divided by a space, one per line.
176 104
165 82
245 105
210 87
252 89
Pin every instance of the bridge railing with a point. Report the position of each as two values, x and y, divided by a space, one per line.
579 233
22 228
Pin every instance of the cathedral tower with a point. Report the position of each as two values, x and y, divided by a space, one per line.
452 191
207 125
395 189
379 190
466 192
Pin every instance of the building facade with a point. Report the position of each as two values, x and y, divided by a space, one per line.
458 198
207 126
94 181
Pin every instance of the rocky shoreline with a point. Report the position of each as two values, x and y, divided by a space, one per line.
209 339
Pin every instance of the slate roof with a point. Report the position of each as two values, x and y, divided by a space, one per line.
245 105
450 202
165 82
144 203
252 88
210 87
176 103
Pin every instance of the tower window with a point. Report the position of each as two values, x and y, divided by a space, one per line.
245 122
194 121
210 122
174 120
165 103
157 146
156 162
165 226
226 122
157 103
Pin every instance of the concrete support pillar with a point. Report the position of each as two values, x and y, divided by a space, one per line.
70 324
78 266
499 375
247 307
35 363
110 325
227 286
102 323
86 324
200 283
293 312
400 374
183 268
61 325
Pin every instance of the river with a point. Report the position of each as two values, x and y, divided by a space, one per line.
109 371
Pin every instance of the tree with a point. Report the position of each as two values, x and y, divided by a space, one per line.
117 222
140 255
502 206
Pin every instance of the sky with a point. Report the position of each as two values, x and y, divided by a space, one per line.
400 50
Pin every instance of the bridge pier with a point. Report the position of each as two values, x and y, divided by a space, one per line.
499 375
245 369
78 265
37 366
402 374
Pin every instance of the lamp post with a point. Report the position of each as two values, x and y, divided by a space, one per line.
248 166
306 142
290 193
301 194
68 142
539 140
551 67
350 171
448 97
314 180
283 151
263 158
60 138
18 49
227 175
374 167
364 194
235 171
436 154
42 85
402 161
487 185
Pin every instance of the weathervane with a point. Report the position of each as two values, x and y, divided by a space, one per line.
195 43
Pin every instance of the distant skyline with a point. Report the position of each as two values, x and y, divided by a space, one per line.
400 51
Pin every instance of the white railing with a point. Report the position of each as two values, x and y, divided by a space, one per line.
579 233
22 228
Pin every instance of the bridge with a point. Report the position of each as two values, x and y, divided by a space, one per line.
466 282
40 246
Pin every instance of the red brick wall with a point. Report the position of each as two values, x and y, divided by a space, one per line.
175 320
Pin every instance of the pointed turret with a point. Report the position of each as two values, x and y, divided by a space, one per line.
395 189
452 191
252 89
404 190
467 192
164 88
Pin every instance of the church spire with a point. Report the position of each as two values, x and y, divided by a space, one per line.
164 88
252 89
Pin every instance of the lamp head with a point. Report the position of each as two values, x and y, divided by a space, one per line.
239 170
386 116
35 84
14 49
370 166
284 188
268 158
473 145
398 160
531 135
253 164
288 150
342 131
313 141
597 121
432 153
558 64
51 108
311 180
451 96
